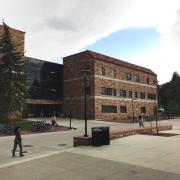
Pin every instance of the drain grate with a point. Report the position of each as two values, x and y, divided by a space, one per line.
28 145
61 144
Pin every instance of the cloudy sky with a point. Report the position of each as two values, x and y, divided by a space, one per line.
144 32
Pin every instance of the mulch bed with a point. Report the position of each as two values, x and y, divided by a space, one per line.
55 129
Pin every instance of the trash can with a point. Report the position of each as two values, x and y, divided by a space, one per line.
97 137
105 134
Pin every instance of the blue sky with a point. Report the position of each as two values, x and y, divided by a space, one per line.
127 43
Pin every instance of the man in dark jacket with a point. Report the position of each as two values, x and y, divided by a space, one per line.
17 141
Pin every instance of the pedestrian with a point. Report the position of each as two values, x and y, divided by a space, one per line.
17 141
141 121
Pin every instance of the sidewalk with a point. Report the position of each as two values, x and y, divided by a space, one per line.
52 156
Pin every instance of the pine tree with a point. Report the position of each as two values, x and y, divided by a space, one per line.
12 78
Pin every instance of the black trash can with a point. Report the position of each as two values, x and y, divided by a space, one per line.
106 135
97 137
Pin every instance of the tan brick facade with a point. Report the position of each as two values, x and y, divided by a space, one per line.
74 87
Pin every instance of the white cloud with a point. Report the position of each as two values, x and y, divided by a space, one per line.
58 28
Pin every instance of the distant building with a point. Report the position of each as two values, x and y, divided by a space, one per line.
44 87
117 90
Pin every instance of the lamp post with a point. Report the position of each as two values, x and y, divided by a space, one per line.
85 73
70 115
156 108
133 108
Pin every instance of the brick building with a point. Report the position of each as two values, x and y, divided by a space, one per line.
18 38
117 90
44 81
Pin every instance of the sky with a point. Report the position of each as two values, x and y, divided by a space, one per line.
143 32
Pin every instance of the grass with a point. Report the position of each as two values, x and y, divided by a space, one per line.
24 125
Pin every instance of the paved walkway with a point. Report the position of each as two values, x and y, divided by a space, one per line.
53 157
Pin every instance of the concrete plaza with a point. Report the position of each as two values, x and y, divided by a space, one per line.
51 156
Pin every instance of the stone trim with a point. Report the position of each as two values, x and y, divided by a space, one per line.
112 98
124 81
112 79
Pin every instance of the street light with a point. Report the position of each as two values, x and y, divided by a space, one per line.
85 73
133 108
70 115
156 108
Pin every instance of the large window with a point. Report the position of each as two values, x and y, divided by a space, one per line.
109 109
147 80
136 78
108 91
103 71
136 94
142 95
151 96
87 90
122 93
130 94
123 109
128 76
143 109
114 73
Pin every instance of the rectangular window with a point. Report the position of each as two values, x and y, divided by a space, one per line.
103 71
151 96
130 94
123 109
122 93
87 90
143 109
154 82
108 91
142 95
136 78
147 80
109 109
128 76
136 94
114 73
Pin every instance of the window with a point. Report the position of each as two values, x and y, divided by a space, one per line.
128 76
103 71
108 91
142 95
136 78
151 96
130 94
114 73
87 90
136 94
154 82
109 109
143 109
147 80
122 93
123 109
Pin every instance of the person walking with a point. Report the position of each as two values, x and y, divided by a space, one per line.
141 121
17 141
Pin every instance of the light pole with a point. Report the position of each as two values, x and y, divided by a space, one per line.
85 73
133 108
156 108
70 115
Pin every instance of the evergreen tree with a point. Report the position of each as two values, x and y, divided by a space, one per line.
169 96
12 78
